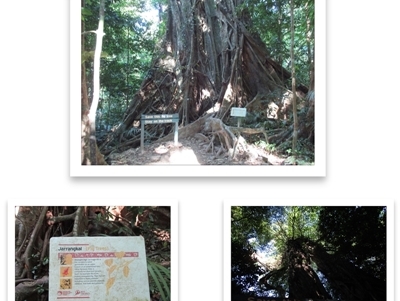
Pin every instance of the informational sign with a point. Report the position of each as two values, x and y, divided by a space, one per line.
162 118
158 119
238 112
98 268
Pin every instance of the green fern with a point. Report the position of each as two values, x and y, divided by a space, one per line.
160 279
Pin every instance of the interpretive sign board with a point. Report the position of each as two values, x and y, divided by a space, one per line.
240 113
158 119
98 268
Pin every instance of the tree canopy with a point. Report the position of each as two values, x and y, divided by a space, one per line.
309 252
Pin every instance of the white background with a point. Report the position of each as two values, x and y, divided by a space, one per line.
362 131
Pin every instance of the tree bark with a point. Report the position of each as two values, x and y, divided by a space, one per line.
27 288
90 154
294 97
303 281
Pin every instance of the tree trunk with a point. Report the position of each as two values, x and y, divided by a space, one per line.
294 97
303 281
90 154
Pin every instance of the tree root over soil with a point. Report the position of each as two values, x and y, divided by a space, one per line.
207 141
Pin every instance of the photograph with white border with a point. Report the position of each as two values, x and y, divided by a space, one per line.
184 162
83 251
299 249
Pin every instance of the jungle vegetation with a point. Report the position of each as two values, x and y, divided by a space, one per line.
330 252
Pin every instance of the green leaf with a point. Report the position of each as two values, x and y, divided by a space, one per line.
160 276
86 12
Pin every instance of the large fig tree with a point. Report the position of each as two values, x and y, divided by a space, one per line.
210 60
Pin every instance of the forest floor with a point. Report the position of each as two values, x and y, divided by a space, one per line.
193 152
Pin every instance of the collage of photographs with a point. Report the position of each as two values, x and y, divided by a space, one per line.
208 153
310 252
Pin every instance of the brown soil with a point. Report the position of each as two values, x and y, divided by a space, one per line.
193 151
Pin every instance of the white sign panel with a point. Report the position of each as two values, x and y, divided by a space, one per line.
98 268
238 112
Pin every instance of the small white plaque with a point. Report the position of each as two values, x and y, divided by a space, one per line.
238 112
98 268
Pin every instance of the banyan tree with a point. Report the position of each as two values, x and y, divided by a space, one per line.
208 62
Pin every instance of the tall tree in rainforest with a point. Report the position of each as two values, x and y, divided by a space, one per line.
310 252
294 95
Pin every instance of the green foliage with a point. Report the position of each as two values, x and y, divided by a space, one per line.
85 13
303 222
249 229
253 219
271 21
304 154
292 223
160 279
269 147
45 261
37 264
128 47
40 289
88 56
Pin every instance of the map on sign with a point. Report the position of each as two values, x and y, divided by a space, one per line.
98 268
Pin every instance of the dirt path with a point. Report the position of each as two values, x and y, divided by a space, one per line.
192 152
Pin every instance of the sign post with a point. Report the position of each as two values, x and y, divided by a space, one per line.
98 269
240 113
158 119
